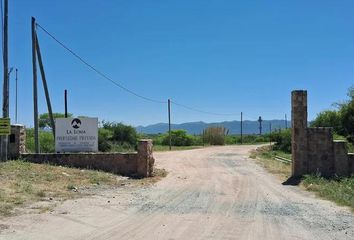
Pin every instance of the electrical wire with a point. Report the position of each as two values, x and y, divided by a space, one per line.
98 71
103 75
201 111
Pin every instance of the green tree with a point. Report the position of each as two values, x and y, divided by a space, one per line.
342 119
328 118
121 134
44 121
282 140
346 112
104 135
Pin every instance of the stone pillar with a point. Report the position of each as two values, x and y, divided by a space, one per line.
341 161
145 162
17 141
351 163
299 132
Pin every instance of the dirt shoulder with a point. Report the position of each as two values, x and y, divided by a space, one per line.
211 193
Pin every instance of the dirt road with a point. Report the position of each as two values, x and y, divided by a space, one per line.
212 193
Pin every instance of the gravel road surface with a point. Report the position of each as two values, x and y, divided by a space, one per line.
211 193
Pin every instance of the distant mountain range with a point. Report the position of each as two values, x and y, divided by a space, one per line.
249 127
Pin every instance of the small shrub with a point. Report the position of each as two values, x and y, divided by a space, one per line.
178 138
46 141
121 133
282 140
103 140
215 135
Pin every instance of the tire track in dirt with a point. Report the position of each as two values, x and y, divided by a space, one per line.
211 193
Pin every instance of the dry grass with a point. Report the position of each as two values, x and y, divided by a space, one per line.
265 157
23 183
339 190
157 175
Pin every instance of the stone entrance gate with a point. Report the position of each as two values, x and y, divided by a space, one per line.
313 149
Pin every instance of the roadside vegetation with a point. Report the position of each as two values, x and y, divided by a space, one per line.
118 137
210 136
265 157
337 189
341 118
23 184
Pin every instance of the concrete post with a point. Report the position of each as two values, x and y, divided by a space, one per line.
299 132
145 161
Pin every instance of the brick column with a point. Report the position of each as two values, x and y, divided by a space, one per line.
145 162
299 132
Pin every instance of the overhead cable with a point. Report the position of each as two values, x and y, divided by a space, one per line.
98 71
202 111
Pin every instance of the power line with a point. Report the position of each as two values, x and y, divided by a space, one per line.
202 111
123 87
98 71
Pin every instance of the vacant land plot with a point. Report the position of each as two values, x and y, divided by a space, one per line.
23 183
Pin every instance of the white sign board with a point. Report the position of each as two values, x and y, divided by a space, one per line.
76 135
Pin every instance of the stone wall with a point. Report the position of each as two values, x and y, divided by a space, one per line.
351 162
139 164
320 153
313 149
341 158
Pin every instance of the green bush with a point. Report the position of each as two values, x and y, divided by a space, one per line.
178 138
121 134
282 140
341 119
328 119
229 140
103 140
251 139
44 120
215 135
46 141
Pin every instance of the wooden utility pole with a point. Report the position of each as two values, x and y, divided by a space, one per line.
5 106
270 133
169 123
241 128
16 82
66 103
203 136
286 122
35 97
45 86
260 125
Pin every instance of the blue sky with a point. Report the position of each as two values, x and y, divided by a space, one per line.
218 55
